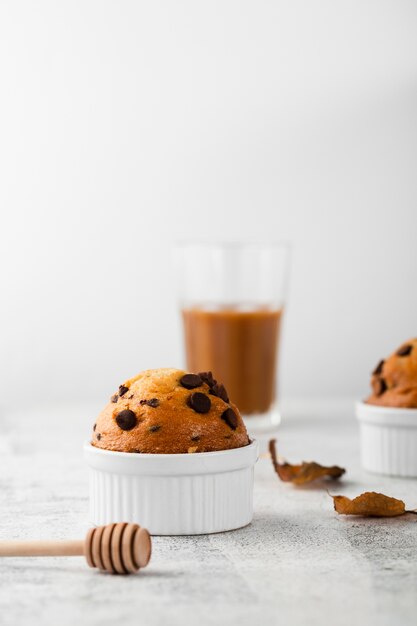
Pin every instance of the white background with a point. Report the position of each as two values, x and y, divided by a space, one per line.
125 126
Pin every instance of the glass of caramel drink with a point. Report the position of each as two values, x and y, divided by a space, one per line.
232 299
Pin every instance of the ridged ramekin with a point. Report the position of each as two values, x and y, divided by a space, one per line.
388 439
173 494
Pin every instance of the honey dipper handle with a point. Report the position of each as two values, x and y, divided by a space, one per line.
41 548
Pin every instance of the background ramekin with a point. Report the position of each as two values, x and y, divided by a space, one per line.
173 494
388 439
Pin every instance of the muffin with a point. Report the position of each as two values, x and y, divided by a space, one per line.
394 380
169 411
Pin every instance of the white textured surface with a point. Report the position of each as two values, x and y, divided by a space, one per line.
297 563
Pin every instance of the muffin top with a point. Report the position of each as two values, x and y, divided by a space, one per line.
394 380
169 411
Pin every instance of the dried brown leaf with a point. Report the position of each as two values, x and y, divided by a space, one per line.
304 473
370 504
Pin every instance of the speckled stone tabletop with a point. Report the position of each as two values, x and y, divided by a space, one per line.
297 563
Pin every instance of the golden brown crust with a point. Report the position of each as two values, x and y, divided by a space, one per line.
160 419
394 380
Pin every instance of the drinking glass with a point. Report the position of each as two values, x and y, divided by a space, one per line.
232 298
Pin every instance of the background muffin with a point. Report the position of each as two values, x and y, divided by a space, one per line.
394 380
170 411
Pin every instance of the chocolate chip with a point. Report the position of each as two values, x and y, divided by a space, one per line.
216 389
230 417
122 390
98 436
115 397
379 386
153 402
222 393
130 397
219 390
404 350
135 451
95 426
199 402
154 429
126 419
195 438
207 377
191 381
378 369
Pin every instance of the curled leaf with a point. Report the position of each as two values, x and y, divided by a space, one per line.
304 473
370 504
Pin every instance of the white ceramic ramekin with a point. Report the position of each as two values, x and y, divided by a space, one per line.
388 439
173 494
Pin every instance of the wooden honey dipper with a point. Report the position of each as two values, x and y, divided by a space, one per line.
117 548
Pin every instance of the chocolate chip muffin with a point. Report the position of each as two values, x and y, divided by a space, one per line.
169 411
394 380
